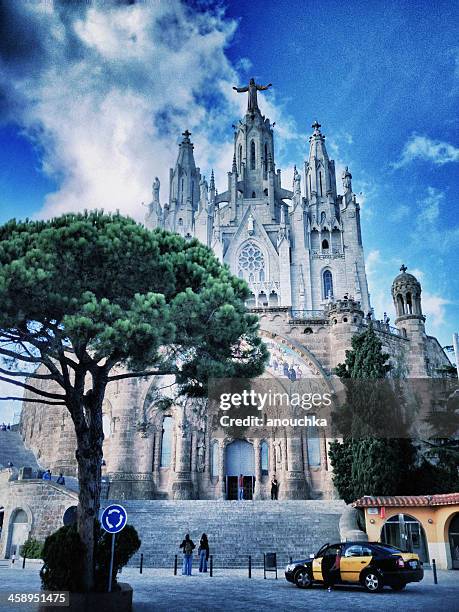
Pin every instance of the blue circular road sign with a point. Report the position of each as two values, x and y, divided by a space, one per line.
113 518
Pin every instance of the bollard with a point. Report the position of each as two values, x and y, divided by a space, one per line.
23 562
434 569
141 562
175 566
211 565
250 566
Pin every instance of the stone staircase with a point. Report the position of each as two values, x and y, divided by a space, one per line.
235 529
12 449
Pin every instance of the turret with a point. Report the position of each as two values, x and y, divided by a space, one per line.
406 294
184 189
320 170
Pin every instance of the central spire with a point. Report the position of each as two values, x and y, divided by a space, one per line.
252 88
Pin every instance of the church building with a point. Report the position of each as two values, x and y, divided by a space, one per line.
300 251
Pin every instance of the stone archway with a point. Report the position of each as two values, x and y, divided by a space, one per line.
406 532
18 532
453 539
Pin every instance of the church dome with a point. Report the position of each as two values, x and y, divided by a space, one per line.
406 293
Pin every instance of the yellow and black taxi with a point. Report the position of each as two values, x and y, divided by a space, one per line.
370 564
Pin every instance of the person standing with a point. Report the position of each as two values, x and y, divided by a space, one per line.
240 487
203 551
188 546
274 487
47 475
61 479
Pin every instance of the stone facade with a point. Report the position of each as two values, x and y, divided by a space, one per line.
31 508
301 253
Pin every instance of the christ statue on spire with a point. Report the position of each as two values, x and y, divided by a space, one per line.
252 88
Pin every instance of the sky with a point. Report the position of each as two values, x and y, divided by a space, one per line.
94 97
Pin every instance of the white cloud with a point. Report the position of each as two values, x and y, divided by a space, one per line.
427 149
113 88
435 236
433 306
400 212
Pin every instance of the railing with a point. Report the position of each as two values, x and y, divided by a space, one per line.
385 328
308 314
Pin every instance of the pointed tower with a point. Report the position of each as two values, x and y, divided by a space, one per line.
320 177
184 190
253 173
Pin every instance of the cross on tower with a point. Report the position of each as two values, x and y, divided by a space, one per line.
186 135
316 126
403 268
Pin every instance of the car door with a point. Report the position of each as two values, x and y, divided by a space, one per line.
354 559
317 564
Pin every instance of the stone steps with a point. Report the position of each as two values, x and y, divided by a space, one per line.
235 529
12 449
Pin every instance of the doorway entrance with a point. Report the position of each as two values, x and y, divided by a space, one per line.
233 489
405 532
19 530
239 459
453 534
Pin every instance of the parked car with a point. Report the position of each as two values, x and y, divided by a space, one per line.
370 564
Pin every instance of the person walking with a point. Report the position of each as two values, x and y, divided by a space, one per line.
46 475
274 487
61 479
203 551
188 546
240 486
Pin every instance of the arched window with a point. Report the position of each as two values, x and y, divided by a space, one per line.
180 222
240 158
313 446
251 262
264 458
254 195
325 245
252 155
106 425
409 305
166 442
214 463
320 181
265 162
328 284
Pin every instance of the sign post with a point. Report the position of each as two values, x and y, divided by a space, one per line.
113 520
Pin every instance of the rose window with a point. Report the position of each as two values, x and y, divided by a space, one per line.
251 262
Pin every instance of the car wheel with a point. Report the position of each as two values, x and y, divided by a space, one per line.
398 587
372 581
303 579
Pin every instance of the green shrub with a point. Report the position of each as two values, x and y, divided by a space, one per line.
63 556
32 549
127 543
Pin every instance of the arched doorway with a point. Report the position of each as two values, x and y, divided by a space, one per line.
453 536
19 530
239 459
407 533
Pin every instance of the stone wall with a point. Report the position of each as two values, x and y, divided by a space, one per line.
43 502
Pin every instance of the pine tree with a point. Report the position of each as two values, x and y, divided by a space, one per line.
369 461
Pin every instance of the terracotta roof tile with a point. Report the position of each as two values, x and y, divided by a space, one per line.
444 499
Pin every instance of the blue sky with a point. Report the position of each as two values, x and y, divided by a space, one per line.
94 98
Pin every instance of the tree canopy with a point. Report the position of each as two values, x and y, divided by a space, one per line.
83 294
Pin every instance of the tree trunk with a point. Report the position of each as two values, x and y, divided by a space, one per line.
90 437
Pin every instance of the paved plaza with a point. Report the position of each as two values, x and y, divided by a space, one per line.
158 589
